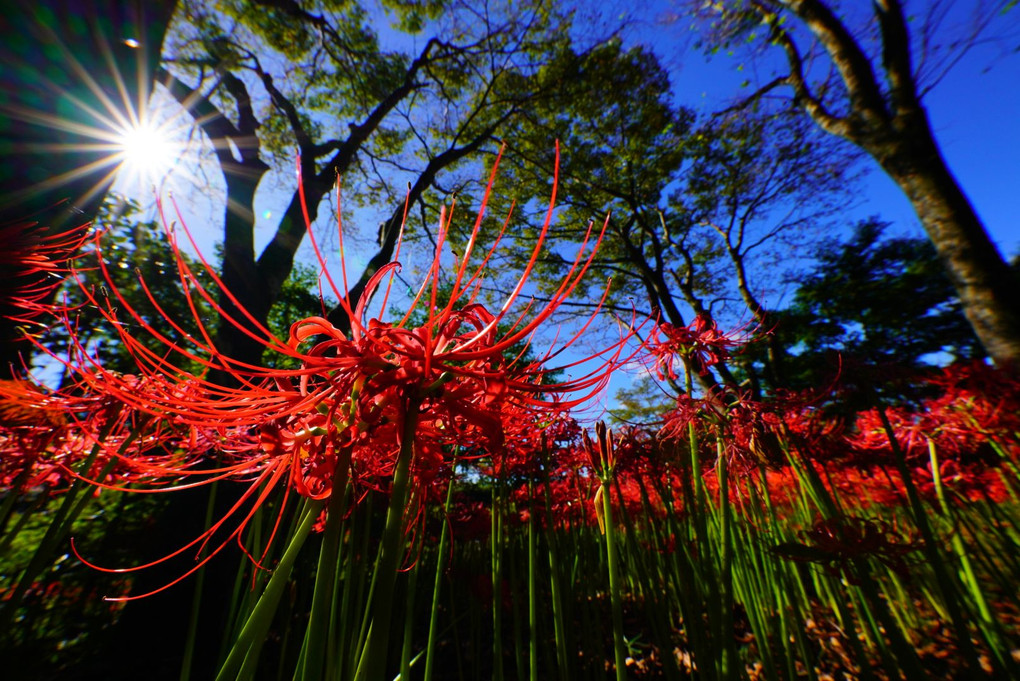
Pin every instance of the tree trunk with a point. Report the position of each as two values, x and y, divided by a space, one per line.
983 280
888 121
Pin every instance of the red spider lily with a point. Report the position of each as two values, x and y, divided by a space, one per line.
348 410
700 342
24 404
750 431
33 263
46 436
470 518
546 450
978 404
535 443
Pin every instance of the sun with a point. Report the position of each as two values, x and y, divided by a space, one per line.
147 151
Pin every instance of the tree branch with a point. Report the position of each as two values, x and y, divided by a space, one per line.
391 229
801 90
896 57
853 64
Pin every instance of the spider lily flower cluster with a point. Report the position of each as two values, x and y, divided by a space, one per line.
32 265
356 401
700 342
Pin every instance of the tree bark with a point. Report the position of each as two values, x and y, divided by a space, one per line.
889 121
984 282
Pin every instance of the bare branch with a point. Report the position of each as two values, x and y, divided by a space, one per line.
853 64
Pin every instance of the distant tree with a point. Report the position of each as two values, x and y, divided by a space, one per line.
881 111
265 77
766 186
643 403
873 309
691 207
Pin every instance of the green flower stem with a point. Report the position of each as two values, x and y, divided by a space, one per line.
532 588
405 652
616 599
945 583
372 666
444 539
196 600
556 590
988 624
725 631
957 541
74 502
319 620
243 656
496 545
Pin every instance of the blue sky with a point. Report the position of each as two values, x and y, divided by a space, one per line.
974 111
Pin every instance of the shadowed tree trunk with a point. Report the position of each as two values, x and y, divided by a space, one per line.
982 278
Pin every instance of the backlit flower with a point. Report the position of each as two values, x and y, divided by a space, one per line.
346 411
700 343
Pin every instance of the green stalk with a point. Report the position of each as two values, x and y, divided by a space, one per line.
988 624
70 509
372 666
243 657
243 598
970 580
196 599
559 628
352 630
405 651
855 643
444 538
532 589
619 647
946 586
725 630
496 545
515 609
326 575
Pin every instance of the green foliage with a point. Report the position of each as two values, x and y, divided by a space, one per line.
623 143
692 207
63 618
875 301
411 16
138 251
643 403
134 251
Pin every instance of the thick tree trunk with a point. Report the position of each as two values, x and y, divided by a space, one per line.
241 277
889 122
983 280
